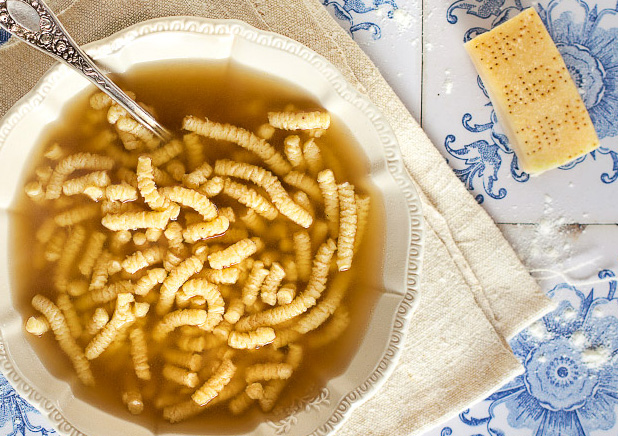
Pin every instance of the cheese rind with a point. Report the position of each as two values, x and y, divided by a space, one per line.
535 98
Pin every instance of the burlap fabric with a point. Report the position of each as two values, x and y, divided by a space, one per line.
475 294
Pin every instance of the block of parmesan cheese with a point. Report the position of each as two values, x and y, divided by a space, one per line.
533 94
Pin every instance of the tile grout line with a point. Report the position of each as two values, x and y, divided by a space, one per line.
422 93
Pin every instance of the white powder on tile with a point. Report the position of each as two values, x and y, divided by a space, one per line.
596 357
597 312
591 357
538 330
579 340
447 84
403 19
569 314
549 245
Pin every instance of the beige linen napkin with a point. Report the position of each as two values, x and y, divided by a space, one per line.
475 294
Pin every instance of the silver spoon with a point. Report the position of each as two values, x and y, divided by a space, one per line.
34 23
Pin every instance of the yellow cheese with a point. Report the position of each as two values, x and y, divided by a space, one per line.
533 94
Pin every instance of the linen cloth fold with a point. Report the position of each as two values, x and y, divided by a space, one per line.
475 294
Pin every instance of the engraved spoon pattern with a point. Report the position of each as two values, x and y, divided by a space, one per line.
34 23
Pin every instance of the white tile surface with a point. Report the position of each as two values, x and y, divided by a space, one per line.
396 49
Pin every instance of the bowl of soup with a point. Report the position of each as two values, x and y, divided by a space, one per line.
254 275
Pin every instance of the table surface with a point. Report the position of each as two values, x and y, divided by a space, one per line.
562 224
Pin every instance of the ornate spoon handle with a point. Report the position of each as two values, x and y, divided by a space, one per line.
34 23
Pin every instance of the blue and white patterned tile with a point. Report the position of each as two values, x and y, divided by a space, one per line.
390 33
4 36
570 386
18 417
459 118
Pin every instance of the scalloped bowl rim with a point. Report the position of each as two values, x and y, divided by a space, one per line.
390 163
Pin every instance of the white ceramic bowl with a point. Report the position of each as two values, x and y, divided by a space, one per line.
195 38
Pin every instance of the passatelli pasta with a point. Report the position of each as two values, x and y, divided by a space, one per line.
200 277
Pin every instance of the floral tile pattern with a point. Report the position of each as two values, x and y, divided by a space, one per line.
4 36
17 417
356 14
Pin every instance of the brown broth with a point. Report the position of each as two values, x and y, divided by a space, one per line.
227 93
